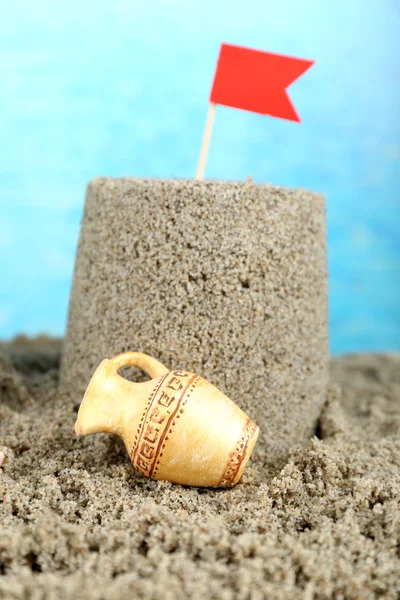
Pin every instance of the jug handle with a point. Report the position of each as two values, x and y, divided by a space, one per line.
146 363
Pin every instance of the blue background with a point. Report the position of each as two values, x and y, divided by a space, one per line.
120 87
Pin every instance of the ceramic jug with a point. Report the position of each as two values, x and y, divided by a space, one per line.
177 426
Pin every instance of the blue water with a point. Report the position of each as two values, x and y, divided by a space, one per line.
120 88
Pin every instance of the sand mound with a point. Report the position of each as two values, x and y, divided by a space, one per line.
78 522
225 279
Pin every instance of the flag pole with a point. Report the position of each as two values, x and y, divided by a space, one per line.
206 142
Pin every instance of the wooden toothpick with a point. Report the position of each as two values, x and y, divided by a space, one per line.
206 142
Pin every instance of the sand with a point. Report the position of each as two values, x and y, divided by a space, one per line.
225 279
77 522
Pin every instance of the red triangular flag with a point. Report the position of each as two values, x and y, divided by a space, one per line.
256 81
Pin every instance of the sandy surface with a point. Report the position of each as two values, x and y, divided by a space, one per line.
76 521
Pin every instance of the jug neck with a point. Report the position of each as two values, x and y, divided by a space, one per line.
111 401
105 402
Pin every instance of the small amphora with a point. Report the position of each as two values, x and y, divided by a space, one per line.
177 426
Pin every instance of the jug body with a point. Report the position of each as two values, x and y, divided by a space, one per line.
191 433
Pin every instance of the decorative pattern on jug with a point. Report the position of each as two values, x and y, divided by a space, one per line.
165 406
237 457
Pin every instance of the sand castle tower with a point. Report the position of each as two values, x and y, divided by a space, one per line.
225 279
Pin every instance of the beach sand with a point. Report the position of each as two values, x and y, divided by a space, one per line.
77 521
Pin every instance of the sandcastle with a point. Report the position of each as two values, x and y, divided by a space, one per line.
225 279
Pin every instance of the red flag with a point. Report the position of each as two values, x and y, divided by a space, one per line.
256 81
